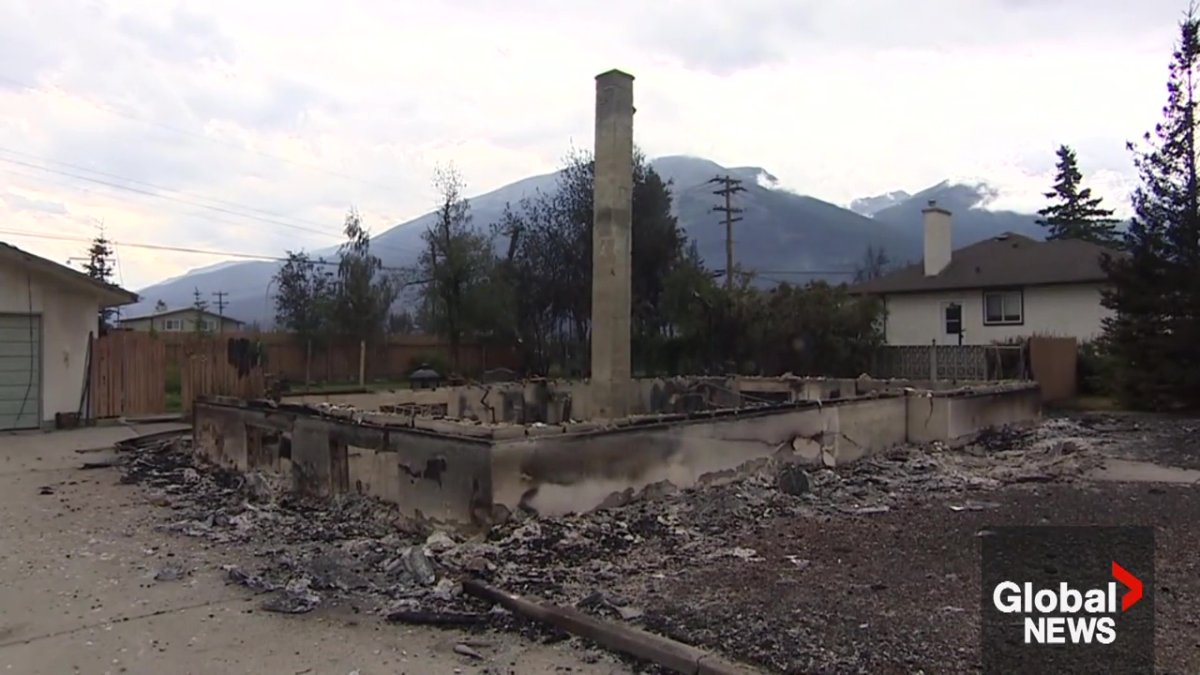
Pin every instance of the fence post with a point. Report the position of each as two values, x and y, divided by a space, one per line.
362 363
308 363
933 371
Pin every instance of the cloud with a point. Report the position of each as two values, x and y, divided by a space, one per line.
293 112
18 202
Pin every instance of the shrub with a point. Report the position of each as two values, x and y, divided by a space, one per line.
436 360
1094 371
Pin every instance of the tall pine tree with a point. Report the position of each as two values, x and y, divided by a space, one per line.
1074 213
99 266
1154 335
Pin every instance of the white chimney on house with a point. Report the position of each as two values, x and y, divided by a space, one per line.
937 238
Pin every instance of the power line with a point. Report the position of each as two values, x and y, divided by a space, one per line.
161 196
180 249
129 116
729 187
175 199
270 258
152 185
220 295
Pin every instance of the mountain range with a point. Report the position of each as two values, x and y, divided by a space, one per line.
784 235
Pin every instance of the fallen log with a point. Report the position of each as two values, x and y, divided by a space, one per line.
676 656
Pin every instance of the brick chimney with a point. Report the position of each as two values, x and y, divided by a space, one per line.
937 238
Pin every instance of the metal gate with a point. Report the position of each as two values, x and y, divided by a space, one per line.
20 371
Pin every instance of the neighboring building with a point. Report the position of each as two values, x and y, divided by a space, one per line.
993 291
47 312
183 321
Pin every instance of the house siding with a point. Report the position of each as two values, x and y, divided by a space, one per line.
1068 310
158 323
68 315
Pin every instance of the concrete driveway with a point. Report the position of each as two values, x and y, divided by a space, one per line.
78 593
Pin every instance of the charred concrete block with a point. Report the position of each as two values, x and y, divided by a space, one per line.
445 479
312 466
508 432
388 419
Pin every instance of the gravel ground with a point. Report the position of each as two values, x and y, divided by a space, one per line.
871 567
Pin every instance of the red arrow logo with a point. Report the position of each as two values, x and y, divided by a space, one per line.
1129 581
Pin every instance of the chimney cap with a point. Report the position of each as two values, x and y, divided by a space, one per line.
934 208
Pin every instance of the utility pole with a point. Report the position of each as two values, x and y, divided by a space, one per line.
729 187
221 309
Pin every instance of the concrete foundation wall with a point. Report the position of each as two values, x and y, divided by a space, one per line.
558 401
560 474
457 471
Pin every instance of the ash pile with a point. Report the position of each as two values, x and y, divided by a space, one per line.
301 554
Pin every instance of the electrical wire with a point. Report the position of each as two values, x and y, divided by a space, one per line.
47 160
389 247
204 137
271 258
176 249
160 195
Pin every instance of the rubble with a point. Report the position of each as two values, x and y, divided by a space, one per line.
611 562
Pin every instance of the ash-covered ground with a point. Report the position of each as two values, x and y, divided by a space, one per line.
871 567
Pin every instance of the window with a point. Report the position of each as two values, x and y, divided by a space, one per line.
952 318
173 324
207 325
1003 307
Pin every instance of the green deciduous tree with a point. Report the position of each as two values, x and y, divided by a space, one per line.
1074 213
548 266
304 296
1153 339
462 295
364 291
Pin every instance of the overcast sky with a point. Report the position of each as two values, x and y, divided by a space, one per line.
300 109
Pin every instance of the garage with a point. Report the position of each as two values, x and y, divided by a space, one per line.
20 371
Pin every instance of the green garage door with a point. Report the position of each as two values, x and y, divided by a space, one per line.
20 371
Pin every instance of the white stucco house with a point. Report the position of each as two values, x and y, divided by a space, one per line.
183 320
47 312
992 291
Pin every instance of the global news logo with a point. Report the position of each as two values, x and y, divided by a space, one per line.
1068 615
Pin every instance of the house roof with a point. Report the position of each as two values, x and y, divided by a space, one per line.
1007 260
181 310
110 295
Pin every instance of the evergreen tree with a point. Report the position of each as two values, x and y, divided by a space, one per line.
201 306
99 267
1075 213
1154 336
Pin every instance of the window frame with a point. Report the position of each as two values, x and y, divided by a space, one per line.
172 325
1004 293
945 321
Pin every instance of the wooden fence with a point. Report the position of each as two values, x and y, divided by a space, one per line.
215 368
389 359
126 375
1054 362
